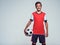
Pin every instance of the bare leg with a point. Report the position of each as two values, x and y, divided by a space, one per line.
43 43
33 43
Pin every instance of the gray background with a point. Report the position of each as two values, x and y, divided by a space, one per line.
14 14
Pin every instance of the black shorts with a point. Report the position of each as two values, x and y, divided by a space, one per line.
35 37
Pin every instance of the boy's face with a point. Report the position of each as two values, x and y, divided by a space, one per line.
38 7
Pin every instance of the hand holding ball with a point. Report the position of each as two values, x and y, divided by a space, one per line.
28 32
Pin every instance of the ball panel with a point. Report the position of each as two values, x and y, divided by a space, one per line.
29 32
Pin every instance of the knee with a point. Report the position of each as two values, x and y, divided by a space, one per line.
33 43
43 43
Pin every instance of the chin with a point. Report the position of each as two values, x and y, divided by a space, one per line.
38 10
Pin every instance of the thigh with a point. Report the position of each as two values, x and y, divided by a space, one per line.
34 38
42 38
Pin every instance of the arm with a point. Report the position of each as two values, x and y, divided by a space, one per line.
46 24
28 24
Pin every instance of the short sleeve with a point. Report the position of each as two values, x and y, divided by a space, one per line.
31 17
45 18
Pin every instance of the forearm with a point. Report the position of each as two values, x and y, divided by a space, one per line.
46 27
28 24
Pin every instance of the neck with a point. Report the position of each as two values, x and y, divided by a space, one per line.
39 12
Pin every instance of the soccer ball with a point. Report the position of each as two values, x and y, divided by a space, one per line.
29 32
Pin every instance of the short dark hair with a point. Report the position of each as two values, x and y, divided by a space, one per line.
38 2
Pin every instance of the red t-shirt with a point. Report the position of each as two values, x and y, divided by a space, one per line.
38 26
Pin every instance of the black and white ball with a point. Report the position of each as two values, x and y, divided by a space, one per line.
29 32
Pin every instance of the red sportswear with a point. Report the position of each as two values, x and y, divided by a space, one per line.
38 26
